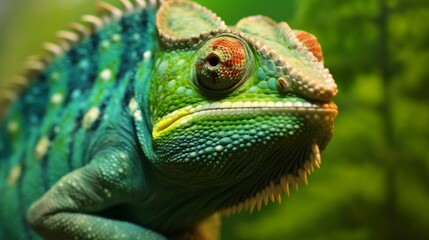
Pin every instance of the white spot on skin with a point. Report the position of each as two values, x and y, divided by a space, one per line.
147 55
12 127
14 175
133 105
106 74
41 148
219 148
122 155
105 44
57 98
138 115
90 116
116 38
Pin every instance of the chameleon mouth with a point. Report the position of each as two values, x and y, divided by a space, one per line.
324 112
273 191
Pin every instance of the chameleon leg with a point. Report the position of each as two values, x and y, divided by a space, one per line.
68 210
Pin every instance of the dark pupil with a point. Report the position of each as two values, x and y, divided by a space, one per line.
213 60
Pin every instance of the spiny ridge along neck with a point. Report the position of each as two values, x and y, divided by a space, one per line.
67 39
273 191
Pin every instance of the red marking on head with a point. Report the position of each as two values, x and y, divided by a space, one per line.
311 43
234 56
223 64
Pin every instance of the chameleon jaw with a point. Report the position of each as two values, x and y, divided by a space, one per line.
273 191
325 112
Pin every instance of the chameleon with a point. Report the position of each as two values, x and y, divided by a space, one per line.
153 119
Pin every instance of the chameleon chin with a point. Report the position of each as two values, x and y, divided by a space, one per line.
150 121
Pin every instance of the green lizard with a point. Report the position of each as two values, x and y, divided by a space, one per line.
148 120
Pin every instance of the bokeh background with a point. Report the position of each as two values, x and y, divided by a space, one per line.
374 180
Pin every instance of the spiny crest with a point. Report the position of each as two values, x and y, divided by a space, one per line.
309 77
66 40
173 21
302 72
274 190
310 41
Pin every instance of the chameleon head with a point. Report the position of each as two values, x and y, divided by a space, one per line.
243 109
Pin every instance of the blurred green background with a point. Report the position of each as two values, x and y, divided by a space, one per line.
374 180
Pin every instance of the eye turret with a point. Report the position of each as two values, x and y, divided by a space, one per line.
222 64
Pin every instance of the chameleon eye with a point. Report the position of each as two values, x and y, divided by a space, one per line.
222 64
310 41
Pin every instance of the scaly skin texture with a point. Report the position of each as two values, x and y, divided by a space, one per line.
159 119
